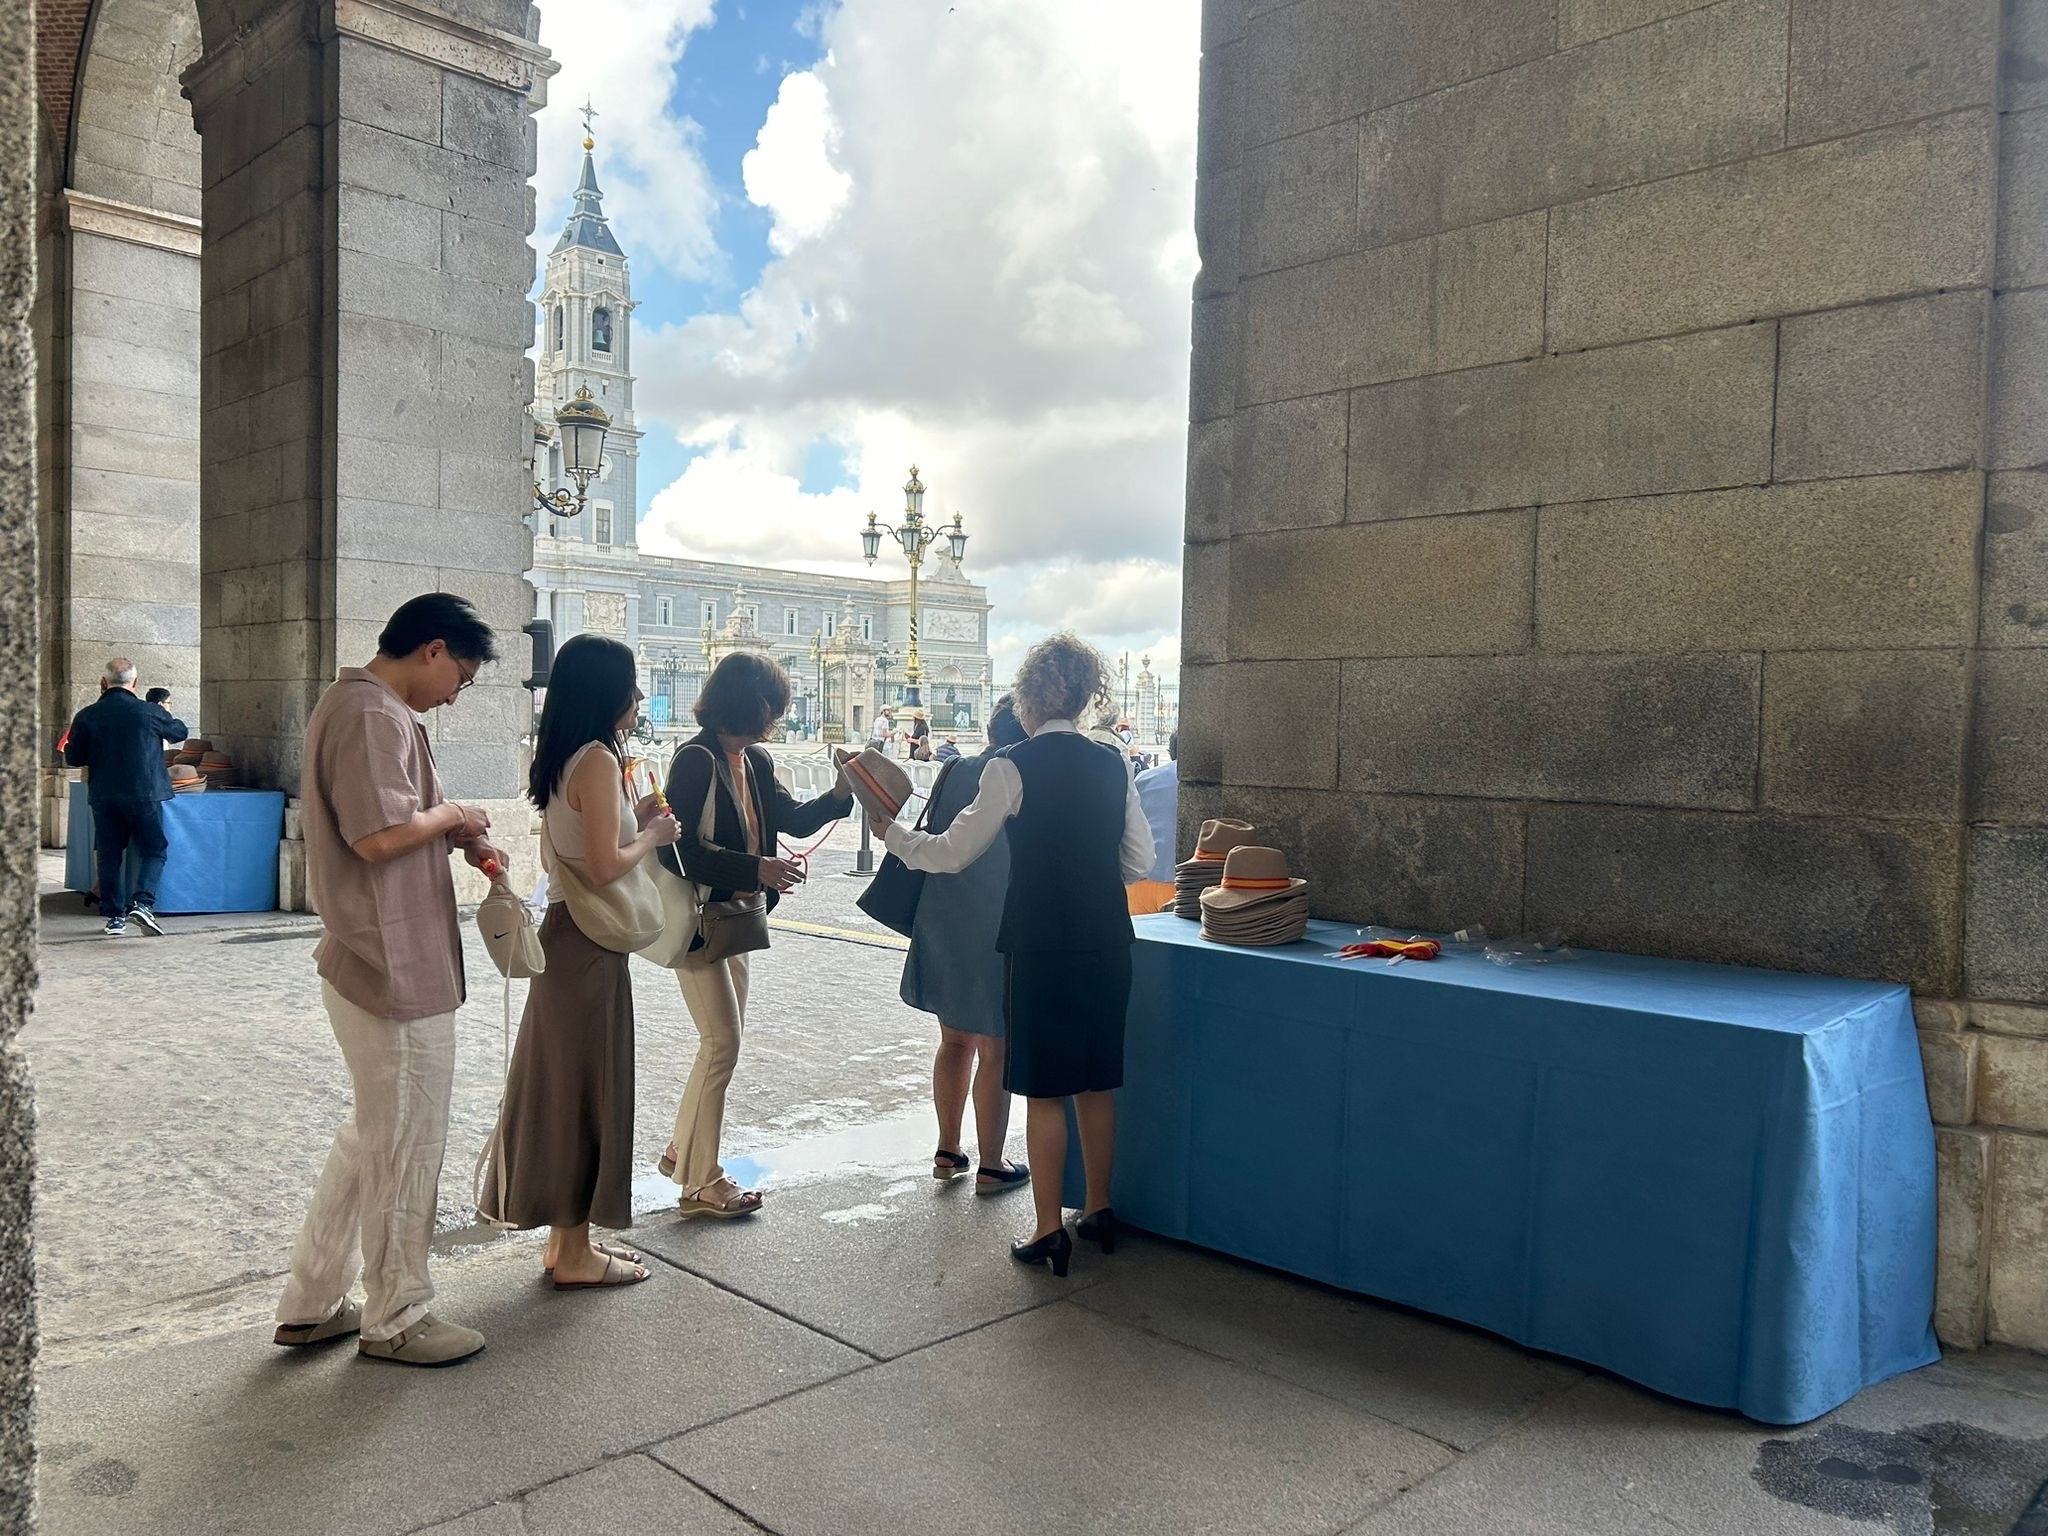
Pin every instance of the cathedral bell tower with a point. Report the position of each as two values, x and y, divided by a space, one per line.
586 341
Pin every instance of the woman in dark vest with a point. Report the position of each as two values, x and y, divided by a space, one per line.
1076 836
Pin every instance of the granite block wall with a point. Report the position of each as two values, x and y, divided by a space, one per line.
1618 502
21 151
364 324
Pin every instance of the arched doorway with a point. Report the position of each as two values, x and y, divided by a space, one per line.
119 397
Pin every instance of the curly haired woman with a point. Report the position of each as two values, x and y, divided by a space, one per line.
1076 836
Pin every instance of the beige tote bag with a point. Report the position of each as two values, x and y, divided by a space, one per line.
624 916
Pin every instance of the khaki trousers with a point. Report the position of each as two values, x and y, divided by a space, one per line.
373 1210
716 995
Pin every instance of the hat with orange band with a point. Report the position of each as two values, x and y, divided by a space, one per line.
1252 877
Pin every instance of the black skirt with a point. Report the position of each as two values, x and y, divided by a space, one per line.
1065 1012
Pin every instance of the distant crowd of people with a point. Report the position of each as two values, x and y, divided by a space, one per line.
1022 948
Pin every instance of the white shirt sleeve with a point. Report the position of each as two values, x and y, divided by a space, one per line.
1136 850
973 831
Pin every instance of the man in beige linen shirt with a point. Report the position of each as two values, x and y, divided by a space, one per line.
378 835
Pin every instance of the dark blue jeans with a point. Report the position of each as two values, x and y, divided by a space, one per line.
116 824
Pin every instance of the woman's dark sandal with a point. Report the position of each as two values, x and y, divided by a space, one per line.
347 1320
613 1250
617 1273
949 1165
997 1181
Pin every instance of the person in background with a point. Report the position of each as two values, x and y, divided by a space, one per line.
378 836
1076 835
949 749
161 697
566 1136
954 971
743 699
119 741
1159 795
918 740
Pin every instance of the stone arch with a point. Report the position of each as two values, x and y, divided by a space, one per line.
120 504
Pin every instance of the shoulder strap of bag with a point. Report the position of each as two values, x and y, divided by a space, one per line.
931 801
495 1141
707 822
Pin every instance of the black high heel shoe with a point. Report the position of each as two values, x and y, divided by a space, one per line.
1101 1226
1055 1248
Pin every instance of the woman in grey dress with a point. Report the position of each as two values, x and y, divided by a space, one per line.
953 971
566 1134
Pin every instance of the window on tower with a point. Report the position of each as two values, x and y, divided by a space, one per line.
558 328
602 528
665 611
601 330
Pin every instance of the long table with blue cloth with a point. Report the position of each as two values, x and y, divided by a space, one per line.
223 851
1712 1180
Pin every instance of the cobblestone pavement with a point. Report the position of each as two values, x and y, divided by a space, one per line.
187 1088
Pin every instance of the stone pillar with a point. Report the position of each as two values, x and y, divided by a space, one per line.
365 322
120 524
1592 413
18 765
122 529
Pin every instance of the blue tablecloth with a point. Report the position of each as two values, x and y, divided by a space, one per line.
1718 1182
223 854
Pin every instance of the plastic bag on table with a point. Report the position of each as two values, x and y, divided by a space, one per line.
1544 947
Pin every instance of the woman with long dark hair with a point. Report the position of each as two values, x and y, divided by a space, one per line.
1076 834
745 697
566 1139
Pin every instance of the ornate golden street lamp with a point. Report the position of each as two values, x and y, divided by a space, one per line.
582 424
916 537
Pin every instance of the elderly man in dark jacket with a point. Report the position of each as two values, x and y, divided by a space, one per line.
120 740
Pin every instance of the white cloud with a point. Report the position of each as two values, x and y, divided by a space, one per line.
984 254
789 171
621 56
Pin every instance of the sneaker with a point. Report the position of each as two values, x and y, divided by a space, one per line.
348 1319
147 919
117 927
428 1342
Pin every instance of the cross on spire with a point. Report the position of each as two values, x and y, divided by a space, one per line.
589 112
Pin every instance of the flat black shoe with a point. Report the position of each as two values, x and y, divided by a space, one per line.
996 1181
1055 1248
1100 1226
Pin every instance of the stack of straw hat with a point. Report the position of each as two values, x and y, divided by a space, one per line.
186 780
1257 903
1204 871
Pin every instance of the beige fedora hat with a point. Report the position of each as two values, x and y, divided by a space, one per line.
1251 876
877 782
1217 839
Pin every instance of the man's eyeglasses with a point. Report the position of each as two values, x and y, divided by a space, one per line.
469 676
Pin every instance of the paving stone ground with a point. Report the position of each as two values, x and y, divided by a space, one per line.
863 1358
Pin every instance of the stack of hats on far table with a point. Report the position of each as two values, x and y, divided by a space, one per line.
1204 871
1257 902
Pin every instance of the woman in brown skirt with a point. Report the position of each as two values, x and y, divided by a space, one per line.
566 1138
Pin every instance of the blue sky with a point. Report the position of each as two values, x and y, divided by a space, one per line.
725 82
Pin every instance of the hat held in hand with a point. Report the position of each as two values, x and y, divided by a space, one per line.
879 785
1252 876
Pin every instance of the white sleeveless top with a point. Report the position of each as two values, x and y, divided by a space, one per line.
565 823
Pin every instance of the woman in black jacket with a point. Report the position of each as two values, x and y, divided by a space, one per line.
746 696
